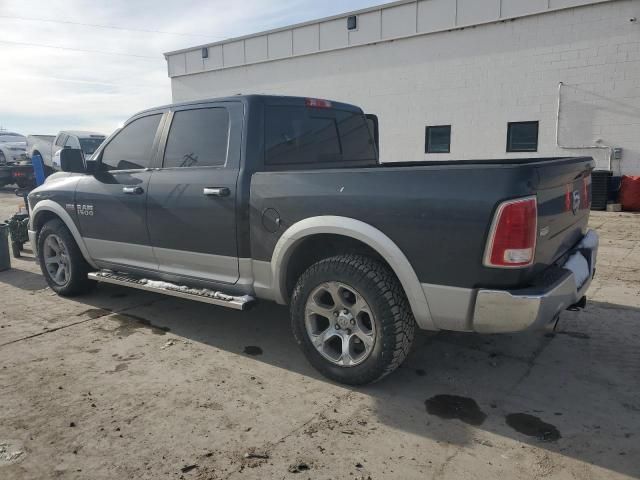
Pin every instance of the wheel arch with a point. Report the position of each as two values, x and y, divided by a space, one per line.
47 210
358 233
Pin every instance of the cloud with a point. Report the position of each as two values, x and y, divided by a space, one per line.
43 90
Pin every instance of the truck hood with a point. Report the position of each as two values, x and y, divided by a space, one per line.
57 178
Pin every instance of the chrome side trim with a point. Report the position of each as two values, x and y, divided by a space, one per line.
360 231
216 268
130 254
53 207
451 307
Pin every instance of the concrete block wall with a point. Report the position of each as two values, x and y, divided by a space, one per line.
476 79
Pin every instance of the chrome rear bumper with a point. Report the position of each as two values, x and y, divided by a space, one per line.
502 311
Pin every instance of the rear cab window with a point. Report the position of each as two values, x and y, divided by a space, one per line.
309 137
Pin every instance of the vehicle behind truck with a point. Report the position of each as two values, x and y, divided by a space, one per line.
49 146
234 200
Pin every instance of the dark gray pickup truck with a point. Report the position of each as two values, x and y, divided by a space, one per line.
236 199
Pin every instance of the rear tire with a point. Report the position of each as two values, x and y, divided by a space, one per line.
62 264
363 311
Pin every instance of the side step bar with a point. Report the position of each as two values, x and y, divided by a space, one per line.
199 295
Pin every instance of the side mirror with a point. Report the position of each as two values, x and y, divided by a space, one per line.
72 160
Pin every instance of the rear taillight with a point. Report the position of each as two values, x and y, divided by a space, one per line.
512 239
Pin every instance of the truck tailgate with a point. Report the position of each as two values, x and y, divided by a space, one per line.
564 200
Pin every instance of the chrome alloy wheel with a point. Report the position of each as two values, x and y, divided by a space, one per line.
56 260
340 324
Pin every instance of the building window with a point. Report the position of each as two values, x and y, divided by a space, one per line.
522 137
352 22
438 139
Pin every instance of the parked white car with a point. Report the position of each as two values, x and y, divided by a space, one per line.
48 146
13 147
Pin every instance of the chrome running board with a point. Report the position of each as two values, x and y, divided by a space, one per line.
180 291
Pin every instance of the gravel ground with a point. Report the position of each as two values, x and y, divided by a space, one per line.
127 384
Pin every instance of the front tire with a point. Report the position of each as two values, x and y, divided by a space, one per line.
351 319
62 264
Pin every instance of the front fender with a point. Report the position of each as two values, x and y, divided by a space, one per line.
50 206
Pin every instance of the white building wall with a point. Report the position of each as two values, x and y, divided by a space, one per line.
477 79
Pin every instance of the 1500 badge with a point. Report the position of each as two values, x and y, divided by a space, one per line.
86 210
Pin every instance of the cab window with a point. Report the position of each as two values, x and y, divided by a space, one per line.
198 138
132 147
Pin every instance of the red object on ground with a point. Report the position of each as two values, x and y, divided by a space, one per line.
630 193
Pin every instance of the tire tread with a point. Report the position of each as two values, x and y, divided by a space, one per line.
398 329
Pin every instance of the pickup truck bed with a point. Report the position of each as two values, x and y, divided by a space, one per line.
283 199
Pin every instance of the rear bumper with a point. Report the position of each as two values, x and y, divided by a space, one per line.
502 311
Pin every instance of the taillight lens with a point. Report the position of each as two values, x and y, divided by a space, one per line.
317 103
512 240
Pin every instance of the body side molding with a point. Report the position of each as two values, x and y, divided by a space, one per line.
363 232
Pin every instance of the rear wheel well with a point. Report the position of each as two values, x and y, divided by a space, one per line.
317 247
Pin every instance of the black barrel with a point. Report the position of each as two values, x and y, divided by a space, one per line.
600 189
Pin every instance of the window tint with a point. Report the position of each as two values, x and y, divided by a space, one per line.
198 138
301 135
438 139
132 146
522 137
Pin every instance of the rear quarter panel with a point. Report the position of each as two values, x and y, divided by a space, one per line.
439 216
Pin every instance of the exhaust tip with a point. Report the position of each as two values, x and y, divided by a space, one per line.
579 305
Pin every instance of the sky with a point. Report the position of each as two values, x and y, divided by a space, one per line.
108 60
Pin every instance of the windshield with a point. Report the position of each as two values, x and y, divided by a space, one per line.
11 137
90 145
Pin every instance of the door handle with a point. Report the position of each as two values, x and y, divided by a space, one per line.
133 190
216 192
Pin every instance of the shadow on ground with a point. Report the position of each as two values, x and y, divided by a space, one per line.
575 392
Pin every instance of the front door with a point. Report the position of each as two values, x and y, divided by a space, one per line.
192 199
111 203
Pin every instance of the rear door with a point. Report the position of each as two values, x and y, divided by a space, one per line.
111 203
192 197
